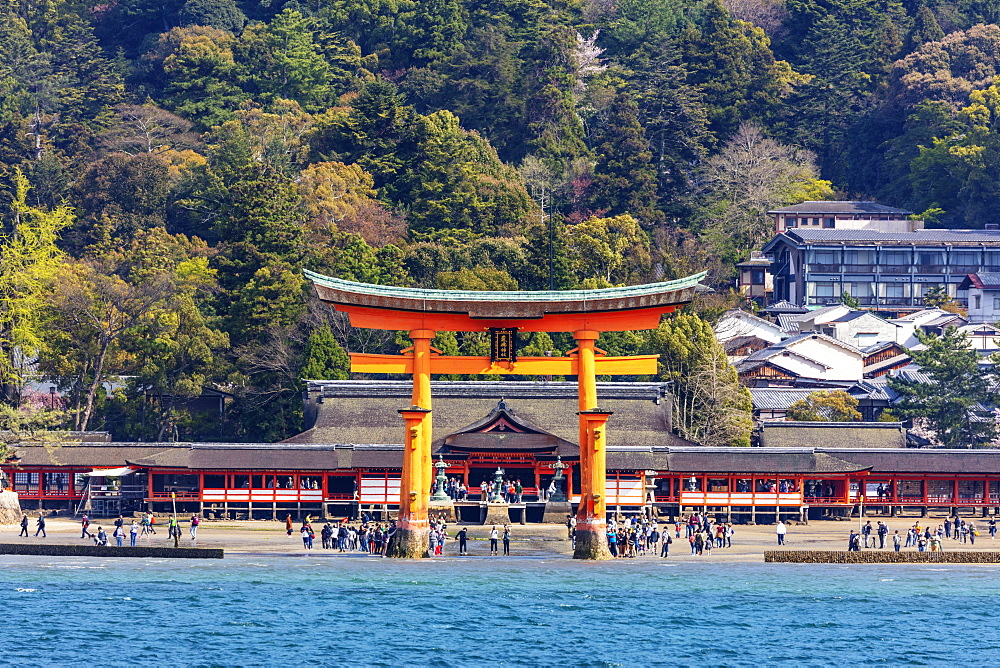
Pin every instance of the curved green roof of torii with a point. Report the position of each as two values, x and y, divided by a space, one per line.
650 291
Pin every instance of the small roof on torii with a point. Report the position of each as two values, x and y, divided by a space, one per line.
607 309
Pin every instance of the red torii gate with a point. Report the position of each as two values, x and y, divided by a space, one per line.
423 313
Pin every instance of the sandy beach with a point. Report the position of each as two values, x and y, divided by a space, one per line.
536 540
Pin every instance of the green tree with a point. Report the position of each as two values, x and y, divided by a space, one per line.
29 259
825 406
280 60
325 359
221 14
936 297
624 174
486 279
953 402
193 73
711 406
847 300
614 250
731 63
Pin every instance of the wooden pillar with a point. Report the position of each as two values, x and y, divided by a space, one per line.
410 539
422 397
592 513
591 524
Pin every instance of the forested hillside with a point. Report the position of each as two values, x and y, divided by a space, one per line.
172 166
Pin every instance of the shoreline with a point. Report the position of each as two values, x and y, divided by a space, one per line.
262 538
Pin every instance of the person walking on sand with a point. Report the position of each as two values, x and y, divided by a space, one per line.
24 527
40 523
85 527
307 534
494 536
133 533
288 525
463 541
897 541
506 541
781 530
195 523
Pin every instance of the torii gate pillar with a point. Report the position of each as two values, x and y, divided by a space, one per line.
410 537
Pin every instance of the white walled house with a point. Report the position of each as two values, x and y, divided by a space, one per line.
808 355
984 296
862 329
738 323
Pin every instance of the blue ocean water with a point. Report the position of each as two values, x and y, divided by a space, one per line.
252 610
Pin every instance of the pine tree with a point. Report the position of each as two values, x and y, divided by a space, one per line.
624 174
325 359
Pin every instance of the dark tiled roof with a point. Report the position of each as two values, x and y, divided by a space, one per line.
923 460
731 345
833 434
984 280
918 237
728 460
90 455
777 398
845 207
757 460
784 306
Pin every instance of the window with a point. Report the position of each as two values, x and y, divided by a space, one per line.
895 291
859 257
213 481
756 277
977 302
826 289
930 258
996 303
790 222
896 257
828 223
968 259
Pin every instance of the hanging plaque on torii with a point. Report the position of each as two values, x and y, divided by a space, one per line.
423 313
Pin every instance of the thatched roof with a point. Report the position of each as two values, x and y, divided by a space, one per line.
832 434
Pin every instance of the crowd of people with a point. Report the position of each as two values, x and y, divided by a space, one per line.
639 536
123 529
924 538
511 491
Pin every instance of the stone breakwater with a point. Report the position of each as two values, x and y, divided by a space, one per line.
888 557
107 551
10 507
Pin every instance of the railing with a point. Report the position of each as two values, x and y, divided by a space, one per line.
894 268
182 495
824 500
928 269
111 492
823 268
859 268
963 269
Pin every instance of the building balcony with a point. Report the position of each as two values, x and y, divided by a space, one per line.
859 268
963 269
895 268
928 269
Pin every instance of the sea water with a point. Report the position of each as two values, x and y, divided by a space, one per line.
257 610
